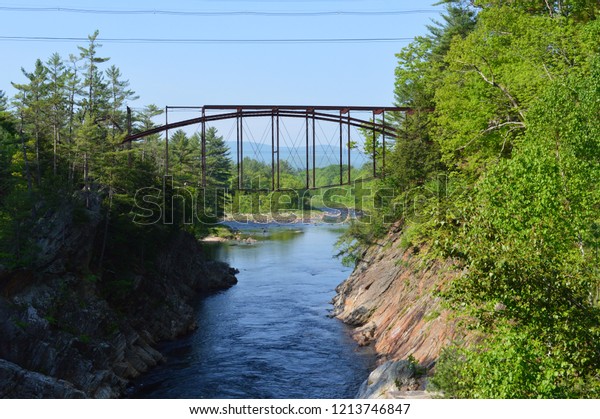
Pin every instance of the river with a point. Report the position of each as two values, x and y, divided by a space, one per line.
269 336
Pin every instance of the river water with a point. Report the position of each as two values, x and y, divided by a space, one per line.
269 336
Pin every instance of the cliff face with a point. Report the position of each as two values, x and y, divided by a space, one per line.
391 300
63 335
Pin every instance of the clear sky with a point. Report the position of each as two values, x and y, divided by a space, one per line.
226 73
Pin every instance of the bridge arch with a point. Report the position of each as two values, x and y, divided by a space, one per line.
342 116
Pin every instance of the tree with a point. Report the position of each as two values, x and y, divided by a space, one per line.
57 101
218 173
578 10
72 84
120 94
421 65
95 99
184 158
532 277
32 101
88 144
151 147
218 160
514 121
8 146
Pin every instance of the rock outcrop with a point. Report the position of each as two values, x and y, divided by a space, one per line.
62 335
390 379
29 385
391 300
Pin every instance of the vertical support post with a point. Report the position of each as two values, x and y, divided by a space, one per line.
203 148
242 151
278 155
314 155
349 148
383 146
237 142
167 141
273 149
341 151
307 161
129 145
374 148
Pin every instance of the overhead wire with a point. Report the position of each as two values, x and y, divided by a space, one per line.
218 13
17 38
204 40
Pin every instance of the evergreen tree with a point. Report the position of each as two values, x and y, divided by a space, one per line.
8 146
150 147
184 158
33 106
218 174
58 102
218 160
120 95
95 100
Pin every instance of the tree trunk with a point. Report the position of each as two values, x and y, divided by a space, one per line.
55 147
38 171
86 186
27 170
106 223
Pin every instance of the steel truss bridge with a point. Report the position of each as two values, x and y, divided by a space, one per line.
364 120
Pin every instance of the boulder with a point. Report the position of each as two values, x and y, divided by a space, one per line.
390 377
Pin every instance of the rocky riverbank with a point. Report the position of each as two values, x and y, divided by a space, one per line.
391 300
66 333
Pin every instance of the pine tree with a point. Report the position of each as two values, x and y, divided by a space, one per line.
32 102
152 146
95 98
57 101
120 94
185 158
88 141
218 174
218 160
8 145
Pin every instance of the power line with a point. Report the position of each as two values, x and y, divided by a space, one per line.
205 41
221 13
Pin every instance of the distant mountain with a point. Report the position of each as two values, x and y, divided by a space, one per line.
325 154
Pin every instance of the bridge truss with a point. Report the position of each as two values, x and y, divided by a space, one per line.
350 123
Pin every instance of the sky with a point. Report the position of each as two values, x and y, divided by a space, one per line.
217 73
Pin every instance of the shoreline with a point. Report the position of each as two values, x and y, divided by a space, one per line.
234 232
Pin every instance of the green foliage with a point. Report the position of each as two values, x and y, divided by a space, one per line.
218 175
513 364
63 143
526 243
8 146
578 10
16 247
498 169
95 98
184 158
417 369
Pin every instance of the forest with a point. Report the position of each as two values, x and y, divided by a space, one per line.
62 141
499 172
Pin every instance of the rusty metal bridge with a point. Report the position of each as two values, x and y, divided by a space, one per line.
349 123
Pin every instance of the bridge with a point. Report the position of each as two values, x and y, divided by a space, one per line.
350 130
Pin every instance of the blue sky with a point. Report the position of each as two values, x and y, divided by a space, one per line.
203 74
